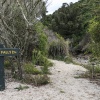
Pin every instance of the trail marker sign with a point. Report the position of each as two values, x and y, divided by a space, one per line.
5 52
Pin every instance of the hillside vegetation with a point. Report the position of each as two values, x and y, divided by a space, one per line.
25 25
76 21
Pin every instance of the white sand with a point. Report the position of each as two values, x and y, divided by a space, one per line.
63 87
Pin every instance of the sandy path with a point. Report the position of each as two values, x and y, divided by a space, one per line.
63 87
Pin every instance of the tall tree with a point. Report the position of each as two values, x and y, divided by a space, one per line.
17 22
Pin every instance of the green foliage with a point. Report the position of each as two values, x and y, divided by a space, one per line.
21 87
39 27
58 50
68 59
42 39
7 64
72 21
37 80
41 80
59 37
95 49
76 40
39 59
65 20
30 69
94 30
42 44
95 36
45 68
96 68
36 57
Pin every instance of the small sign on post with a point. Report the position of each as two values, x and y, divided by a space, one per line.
5 52
9 51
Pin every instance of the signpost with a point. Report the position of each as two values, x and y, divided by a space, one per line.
5 52
9 52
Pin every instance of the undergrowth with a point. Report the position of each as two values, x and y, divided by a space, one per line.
36 80
30 69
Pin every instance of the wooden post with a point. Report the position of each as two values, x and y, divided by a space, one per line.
6 52
2 75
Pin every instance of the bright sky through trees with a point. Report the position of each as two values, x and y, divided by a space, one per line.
55 4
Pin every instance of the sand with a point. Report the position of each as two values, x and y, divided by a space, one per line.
63 86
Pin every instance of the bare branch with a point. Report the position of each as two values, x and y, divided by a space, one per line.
23 13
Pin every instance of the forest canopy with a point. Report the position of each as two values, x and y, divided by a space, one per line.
76 20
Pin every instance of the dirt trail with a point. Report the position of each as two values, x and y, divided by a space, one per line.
63 86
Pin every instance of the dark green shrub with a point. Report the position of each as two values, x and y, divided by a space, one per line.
47 64
36 56
58 50
39 59
68 59
7 64
93 70
41 80
95 36
43 44
36 80
30 69
96 69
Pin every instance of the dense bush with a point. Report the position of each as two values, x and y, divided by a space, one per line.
36 80
43 44
93 71
58 50
7 64
41 80
39 59
68 59
30 69
95 36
